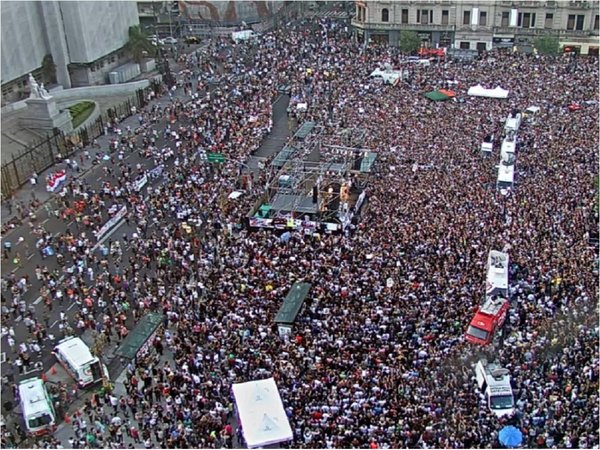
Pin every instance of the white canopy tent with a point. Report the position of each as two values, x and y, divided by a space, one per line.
261 413
480 91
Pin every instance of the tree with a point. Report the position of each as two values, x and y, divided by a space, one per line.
48 69
409 41
139 46
547 45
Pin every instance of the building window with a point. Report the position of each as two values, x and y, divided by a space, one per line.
575 22
481 47
385 15
505 16
549 20
465 45
444 17
466 17
597 22
361 13
483 18
423 16
7 90
526 20
405 16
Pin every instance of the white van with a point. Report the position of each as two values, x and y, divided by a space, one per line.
494 382
388 76
244 35
36 407
78 361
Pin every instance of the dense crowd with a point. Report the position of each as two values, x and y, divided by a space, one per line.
370 363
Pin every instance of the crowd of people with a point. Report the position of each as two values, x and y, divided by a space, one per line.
370 363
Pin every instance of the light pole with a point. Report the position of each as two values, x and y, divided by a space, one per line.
170 22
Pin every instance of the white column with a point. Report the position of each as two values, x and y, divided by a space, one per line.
57 43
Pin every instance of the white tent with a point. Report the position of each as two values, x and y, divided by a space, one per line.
261 413
480 91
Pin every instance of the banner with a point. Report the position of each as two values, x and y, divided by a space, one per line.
156 172
54 180
111 223
140 183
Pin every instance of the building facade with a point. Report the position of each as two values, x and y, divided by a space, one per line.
481 25
84 39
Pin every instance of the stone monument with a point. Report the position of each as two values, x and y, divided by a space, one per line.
42 113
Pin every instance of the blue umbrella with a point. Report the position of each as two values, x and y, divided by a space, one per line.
510 436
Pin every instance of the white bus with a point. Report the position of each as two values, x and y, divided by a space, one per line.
78 361
506 177
36 407
497 274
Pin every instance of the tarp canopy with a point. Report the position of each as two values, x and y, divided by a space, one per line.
480 91
448 92
133 344
292 303
436 96
261 413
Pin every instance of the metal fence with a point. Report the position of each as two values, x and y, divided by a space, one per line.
43 155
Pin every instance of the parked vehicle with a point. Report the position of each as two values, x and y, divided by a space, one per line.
388 76
487 320
75 356
494 382
36 407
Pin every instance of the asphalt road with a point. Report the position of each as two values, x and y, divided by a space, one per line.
30 257
24 244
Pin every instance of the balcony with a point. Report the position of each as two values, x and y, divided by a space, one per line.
579 4
542 32
402 26
475 28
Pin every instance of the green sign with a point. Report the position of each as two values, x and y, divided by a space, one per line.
215 157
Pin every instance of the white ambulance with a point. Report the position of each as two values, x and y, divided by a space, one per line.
75 356
36 407
494 382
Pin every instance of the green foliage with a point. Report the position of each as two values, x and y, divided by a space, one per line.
547 45
139 45
409 41
80 112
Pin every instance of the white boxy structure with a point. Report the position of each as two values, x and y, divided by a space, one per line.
261 413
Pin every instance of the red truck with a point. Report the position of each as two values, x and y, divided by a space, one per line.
432 52
488 318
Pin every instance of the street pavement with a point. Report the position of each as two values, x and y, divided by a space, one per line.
23 240
23 244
